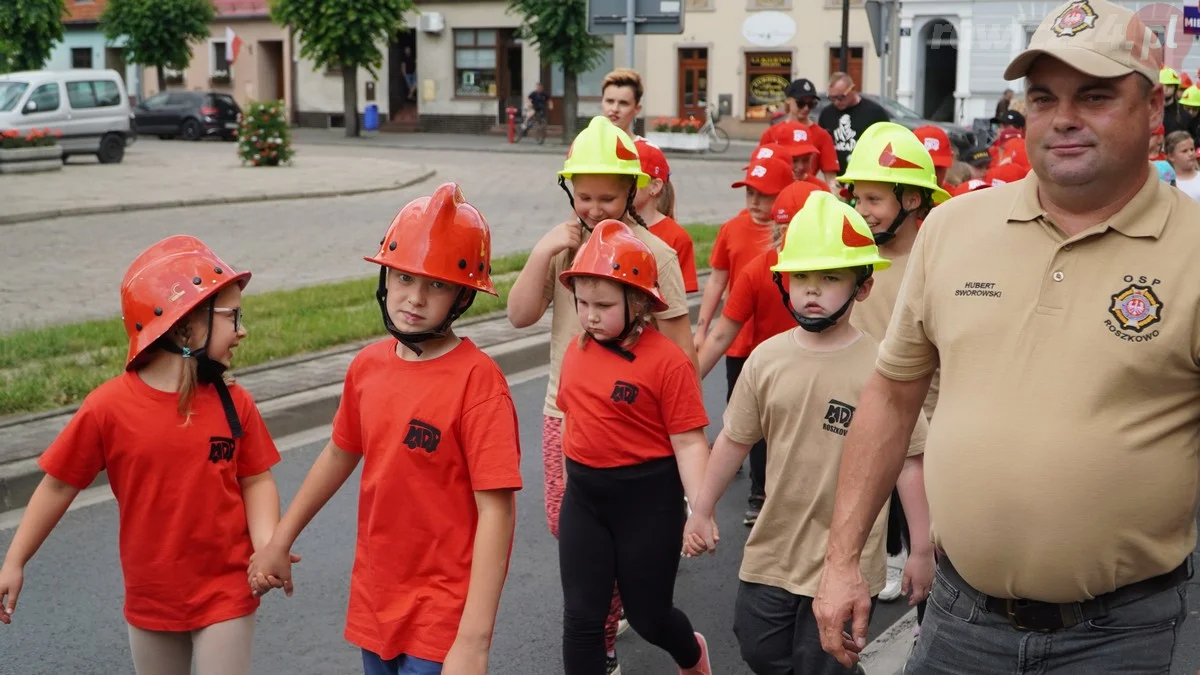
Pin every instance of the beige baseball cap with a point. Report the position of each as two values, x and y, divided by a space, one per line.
1095 37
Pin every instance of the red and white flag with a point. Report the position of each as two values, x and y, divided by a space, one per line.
233 44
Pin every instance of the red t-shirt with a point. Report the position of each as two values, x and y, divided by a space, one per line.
185 545
673 234
755 301
622 413
790 133
431 433
739 241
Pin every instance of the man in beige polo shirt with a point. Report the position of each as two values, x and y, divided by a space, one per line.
1063 464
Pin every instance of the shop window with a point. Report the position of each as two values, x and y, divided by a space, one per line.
475 56
768 75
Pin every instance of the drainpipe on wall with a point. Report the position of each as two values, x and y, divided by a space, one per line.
294 111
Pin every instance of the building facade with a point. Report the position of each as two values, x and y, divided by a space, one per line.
953 52
262 69
741 54
84 45
453 67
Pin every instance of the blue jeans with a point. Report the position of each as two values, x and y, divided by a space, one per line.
401 665
959 635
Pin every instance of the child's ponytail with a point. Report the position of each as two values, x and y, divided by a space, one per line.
666 199
189 379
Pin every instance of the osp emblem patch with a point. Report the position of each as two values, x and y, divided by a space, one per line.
1136 308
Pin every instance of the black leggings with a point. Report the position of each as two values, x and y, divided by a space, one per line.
758 451
624 525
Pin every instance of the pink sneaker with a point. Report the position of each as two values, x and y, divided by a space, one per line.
703 667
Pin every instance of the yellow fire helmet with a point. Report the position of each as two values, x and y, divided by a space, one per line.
1168 76
1190 97
828 234
603 148
890 153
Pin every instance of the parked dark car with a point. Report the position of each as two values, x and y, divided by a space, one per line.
962 138
191 115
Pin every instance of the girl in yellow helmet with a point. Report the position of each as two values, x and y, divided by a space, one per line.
605 172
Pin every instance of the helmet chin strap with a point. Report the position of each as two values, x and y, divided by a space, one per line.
462 302
209 371
819 324
562 183
886 237
614 344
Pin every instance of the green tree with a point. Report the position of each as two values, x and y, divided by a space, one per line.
346 34
559 30
28 31
158 33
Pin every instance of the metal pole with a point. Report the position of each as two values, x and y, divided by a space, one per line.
845 57
630 21
894 50
886 57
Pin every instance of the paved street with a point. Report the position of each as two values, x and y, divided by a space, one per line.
68 269
70 620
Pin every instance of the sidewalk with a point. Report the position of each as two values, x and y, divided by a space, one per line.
738 150
158 174
293 394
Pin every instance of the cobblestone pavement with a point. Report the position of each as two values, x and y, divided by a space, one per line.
67 269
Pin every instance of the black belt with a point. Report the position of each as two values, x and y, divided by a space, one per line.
1047 617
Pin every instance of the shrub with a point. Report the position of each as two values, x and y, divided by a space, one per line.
264 138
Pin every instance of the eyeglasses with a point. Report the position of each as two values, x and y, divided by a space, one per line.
235 311
841 97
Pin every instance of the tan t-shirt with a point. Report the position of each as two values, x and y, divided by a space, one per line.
802 402
1064 461
875 313
564 322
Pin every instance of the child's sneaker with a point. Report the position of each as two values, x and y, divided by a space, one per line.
622 623
704 667
751 516
611 666
895 577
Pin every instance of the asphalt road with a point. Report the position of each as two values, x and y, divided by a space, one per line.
70 620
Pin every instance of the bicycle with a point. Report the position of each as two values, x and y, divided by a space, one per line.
538 122
718 139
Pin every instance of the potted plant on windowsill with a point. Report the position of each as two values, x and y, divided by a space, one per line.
220 78
36 150
677 134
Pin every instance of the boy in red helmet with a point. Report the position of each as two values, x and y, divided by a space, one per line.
431 418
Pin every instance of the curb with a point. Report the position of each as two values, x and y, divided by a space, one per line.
887 654
295 412
548 149
16 218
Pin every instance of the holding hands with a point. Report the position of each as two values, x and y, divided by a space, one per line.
271 568
700 535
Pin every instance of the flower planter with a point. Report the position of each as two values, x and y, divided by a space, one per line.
678 141
30 160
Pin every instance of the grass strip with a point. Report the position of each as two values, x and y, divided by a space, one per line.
54 366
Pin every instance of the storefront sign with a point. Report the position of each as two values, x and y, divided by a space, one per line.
767 78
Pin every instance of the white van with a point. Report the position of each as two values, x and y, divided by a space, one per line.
89 107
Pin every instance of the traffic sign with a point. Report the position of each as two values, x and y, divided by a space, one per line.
651 17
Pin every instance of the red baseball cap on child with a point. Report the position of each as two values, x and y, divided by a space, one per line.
654 162
790 133
791 200
769 176
767 150
938 144
971 186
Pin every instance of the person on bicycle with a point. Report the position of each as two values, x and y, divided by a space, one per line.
539 105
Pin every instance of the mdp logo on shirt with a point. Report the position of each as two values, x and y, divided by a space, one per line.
838 417
624 392
220 448
422 435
